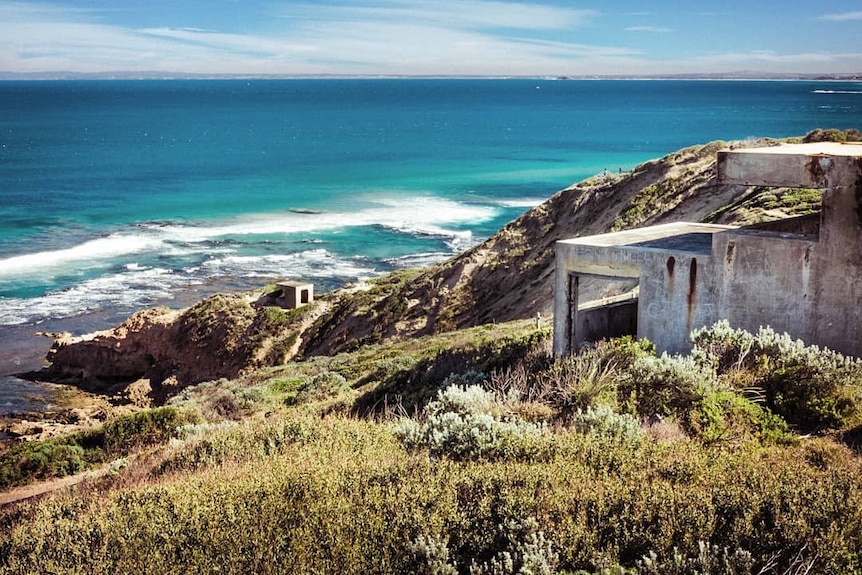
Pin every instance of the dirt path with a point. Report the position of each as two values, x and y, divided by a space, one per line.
35 490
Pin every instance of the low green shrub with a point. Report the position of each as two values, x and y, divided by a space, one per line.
139 429
665 385
30 461
220 399
36 460
602 420
465 422
413 382
727 416
335 495
710 559
520 548
322 386
811 388
429 555
207 445
582 380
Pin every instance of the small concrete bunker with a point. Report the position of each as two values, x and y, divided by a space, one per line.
295 294
802 276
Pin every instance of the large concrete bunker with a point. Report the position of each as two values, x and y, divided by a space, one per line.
801 276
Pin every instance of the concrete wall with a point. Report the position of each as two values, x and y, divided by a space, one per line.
676 294
295 295
765 279
612 320
837 307
596 261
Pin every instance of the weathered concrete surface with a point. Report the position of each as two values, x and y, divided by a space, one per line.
816 165
295 294
806 284
622 255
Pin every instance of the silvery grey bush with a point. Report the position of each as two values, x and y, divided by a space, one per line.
602 420
464 422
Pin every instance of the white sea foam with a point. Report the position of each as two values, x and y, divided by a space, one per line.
138 286
150 263
48 263
311 264
418 260
127 290
424 216
521 202
419 216
837 91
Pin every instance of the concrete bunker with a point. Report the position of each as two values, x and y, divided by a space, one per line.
802 275
295 294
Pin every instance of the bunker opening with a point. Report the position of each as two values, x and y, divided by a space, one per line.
601 307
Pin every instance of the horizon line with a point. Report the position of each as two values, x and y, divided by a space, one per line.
155 75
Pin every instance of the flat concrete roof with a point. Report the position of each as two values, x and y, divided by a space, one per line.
853 149
815 165
677 237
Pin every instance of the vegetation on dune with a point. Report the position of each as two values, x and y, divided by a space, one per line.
613 460
25 462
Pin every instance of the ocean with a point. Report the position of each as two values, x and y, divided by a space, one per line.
120 195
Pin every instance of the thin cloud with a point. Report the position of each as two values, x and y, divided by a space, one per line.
468 14
392 37
654 29
364 37
842 17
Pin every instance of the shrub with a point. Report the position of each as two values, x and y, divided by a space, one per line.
665 385
833 135
523 550
220 400
579 381
727 416
710 559
602 420
324 385
809 387
206 445
32 460
337 495
35 460
465 423
148 427
519 548
430 556
625 351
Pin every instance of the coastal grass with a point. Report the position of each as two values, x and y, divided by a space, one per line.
373 378
29 461
340 495
479 452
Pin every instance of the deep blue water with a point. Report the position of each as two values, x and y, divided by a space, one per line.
115 195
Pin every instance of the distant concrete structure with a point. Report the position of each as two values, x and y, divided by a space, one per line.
295 294
802 276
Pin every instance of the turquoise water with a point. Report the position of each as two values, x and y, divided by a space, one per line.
115 195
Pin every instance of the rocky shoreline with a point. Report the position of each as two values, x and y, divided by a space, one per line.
68 409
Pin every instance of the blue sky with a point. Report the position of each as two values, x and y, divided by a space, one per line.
436 37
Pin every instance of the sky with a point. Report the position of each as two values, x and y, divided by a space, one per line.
431 37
